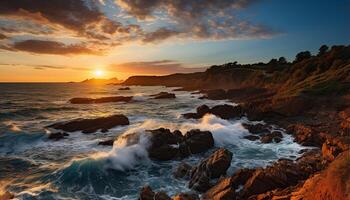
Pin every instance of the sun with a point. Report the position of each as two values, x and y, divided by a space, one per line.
99 73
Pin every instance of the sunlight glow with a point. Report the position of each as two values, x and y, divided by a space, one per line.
99 73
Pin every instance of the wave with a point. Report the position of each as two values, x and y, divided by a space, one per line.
33 111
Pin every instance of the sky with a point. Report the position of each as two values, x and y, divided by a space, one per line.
71 40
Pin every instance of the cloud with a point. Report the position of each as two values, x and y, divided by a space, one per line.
161 67
51 47
105 24
43 67
2 36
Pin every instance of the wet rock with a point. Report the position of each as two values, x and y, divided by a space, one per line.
164 144
91 125
251 137
275 136
6 196
100 100
202 110
124 88
227 111
106 142
148 194
214 166
225 188
256 128
57 136
198 141
191 116
186 196
164 95
182 171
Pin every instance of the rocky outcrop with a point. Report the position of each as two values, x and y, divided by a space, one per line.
223 111
305 135
163 95
92 125
6 196
124 88
148 194
100 100
274 136
57 136
167 145
214 166
226 188
256 128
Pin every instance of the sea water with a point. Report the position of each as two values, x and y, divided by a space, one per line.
34 167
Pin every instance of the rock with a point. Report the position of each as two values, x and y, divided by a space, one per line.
124 88
100 100
275 136
91 125
106 143
227 111
57 136
164 95
332 183
251 137
191 116
148 194
202 110
214 166
182 171
225 188
198 141
305 135
256 128
216 94
6 196
330 151
164 144
282 174
186 196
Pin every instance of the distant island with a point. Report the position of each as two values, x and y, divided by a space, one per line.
112 81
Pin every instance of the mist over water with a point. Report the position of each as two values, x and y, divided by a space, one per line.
33 167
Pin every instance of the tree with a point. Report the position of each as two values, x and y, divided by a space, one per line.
282 60
322 50
302 56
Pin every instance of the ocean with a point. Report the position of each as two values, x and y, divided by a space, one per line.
34 167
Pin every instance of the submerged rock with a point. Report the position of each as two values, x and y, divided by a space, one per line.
57 136
214 166
106 142
91 125
182 171
164 95
148 194
251 137
256 128
274 136
100 100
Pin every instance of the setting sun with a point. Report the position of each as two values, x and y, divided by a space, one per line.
99 73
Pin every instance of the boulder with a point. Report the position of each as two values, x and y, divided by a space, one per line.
164 95
148 194
57 136
106 142
305 135
225 188
216 94
100 100
124 88
251 137
186 196
330 151
92 125
275 136
182 171
198 141
202 110
164 144
227 111
256 128
214 166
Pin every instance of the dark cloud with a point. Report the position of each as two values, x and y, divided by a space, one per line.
153 67
43 67
51 47
159 34
2 36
